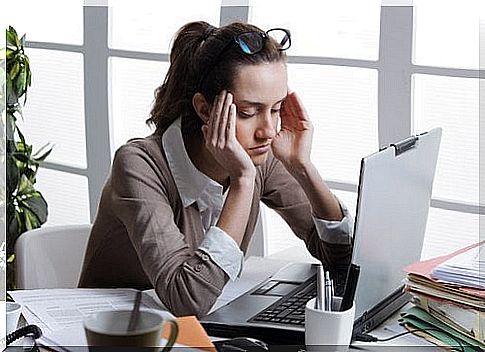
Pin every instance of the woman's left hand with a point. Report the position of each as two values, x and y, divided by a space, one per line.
292 145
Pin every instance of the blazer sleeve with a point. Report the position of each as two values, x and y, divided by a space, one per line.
282 193
187 281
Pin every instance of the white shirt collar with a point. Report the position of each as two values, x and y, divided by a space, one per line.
192 185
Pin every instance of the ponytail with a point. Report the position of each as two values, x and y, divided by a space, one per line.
174 97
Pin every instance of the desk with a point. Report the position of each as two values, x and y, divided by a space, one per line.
254 272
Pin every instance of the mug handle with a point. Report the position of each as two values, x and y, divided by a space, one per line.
174 331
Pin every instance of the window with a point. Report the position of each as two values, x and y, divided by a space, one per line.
149 25
133 83
334 65
54 111
42 20
343 29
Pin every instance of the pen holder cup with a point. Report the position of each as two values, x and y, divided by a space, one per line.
328 330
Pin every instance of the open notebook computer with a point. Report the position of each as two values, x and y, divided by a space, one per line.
392 209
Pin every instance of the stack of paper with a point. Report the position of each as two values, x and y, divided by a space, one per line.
459 307
464 269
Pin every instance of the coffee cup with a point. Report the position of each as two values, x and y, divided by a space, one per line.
13 311
112 329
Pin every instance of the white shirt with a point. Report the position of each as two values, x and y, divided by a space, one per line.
194 186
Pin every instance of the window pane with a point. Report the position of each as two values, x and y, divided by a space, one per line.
66 195
447 32
453 104
133 83
54 111
346 29
342 105
278 234
149 25
448 231
57 21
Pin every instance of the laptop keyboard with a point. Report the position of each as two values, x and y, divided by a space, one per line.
291 308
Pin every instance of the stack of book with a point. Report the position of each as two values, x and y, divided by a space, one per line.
449 298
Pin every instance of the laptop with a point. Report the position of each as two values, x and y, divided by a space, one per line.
393 200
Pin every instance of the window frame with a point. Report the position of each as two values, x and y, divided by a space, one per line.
395 110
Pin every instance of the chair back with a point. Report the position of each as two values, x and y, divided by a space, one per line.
51 256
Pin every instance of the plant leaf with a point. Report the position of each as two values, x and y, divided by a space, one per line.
13 175
14 70
13 232
42 157
25 186
37 205
12 36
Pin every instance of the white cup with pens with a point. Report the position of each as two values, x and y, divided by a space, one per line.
329 320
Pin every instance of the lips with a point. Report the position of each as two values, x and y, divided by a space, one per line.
260 148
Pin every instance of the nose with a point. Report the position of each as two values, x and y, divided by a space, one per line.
266 128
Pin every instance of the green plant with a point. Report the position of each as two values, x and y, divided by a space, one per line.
26 207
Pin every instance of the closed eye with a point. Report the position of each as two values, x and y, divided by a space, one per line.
246 114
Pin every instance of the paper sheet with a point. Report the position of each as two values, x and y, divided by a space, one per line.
60 312
467 268
64 308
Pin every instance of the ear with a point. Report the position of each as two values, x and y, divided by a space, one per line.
201 106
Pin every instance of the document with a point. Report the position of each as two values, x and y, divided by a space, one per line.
54 309
465 269
60 312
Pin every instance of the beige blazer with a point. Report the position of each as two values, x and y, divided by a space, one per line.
144 238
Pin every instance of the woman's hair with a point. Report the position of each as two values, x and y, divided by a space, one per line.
203 59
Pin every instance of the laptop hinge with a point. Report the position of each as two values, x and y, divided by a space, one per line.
405 145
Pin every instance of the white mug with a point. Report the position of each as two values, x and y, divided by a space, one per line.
328 330
13 311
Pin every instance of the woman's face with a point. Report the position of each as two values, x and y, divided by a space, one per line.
259 90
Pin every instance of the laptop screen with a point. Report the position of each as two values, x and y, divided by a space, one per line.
392 210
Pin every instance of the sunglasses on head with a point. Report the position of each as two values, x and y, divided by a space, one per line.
253 42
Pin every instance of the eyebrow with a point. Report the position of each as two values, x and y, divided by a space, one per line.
255 103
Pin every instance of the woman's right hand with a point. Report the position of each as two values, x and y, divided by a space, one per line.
220 138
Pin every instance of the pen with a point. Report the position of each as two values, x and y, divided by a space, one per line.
319 304
350 287
332 291
328 292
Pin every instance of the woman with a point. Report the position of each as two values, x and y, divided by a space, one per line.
180 206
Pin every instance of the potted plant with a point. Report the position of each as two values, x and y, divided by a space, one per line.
26 208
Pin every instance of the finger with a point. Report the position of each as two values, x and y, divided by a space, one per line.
287 115
223 120
231 123
215 116
299 108
227 104
205 129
